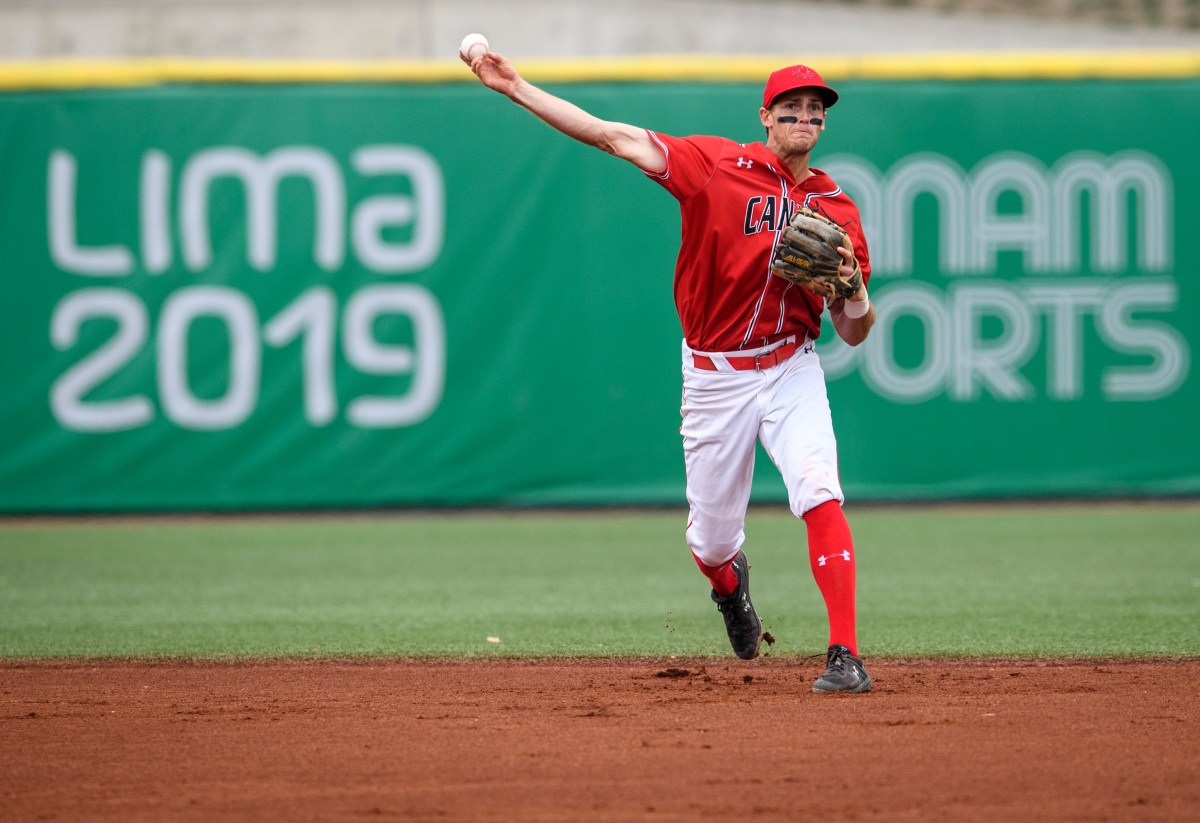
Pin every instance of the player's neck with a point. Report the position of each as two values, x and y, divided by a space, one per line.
795 162
800 171
798 166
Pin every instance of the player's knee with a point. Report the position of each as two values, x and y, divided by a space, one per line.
714 539
813 492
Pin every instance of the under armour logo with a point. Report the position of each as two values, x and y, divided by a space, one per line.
845 555
743 163
809 349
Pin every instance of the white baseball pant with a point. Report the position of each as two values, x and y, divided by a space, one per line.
784 407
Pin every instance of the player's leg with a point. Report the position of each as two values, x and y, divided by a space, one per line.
797 432
719 429
832 558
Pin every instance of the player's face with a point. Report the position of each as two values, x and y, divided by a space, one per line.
798 135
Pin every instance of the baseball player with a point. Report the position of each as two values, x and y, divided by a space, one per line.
749 320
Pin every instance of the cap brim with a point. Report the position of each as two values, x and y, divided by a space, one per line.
828 95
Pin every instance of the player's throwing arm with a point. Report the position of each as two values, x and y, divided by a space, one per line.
620 139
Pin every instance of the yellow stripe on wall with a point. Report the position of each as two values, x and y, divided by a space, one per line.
66 74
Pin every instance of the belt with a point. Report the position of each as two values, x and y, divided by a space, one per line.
748 362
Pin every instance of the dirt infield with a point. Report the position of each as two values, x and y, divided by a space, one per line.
598 740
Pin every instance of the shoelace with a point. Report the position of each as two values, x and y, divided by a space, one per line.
831 659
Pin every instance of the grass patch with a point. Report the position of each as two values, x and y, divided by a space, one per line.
1072 580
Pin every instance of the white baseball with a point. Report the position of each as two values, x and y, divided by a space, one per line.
473 45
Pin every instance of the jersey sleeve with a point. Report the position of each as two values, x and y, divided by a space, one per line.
691 162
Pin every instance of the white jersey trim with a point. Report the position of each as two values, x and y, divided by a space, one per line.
783 190
808 198
666 172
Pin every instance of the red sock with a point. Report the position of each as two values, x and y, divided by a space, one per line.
723 579
831 555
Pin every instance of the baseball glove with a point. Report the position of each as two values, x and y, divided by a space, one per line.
807 254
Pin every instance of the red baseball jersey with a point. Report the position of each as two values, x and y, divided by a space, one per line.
734 199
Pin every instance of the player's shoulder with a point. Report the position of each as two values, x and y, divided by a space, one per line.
695 161
822 185
704 143
702 152
821 179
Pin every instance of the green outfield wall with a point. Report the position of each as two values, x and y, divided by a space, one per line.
325 288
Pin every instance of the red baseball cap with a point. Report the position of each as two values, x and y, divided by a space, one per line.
796 77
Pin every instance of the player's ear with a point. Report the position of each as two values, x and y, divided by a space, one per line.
763 114
824 119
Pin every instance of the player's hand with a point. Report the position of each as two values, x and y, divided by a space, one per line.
495 72
848 267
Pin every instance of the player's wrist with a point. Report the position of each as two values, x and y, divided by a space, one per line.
856 307
519 91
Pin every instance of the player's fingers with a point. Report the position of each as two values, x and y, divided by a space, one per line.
495 68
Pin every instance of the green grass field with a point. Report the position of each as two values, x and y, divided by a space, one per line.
1072 580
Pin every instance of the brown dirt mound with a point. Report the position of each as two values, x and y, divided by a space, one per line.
598 740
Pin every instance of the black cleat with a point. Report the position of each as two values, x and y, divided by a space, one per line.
843 673
741 621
